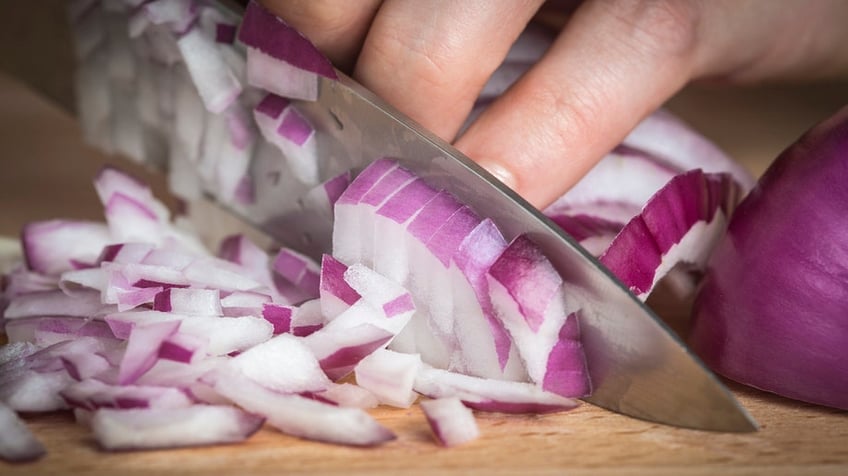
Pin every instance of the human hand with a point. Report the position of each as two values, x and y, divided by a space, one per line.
614 62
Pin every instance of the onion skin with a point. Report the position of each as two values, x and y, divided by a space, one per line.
773 310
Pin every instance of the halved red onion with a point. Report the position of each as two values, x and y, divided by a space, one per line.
172 428
452 422
772 309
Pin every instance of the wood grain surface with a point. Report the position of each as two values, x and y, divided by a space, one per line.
46 173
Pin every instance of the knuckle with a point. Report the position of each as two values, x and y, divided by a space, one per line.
425 65
660 27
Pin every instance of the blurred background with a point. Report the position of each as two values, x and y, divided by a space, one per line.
45 169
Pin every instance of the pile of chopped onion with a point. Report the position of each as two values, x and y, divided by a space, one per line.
155 342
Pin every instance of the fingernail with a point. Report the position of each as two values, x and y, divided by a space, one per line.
501 173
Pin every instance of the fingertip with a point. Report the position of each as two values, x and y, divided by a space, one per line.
499 172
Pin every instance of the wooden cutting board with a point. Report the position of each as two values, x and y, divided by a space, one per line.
46 173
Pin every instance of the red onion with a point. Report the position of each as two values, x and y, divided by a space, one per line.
772 310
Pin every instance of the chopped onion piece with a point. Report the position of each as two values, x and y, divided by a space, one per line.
452 422
17 443
284 364
172 428
489 394
215 82
50 246
304 417
389 376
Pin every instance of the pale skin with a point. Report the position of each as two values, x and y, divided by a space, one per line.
613 62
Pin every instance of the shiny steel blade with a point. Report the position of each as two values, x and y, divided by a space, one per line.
637 365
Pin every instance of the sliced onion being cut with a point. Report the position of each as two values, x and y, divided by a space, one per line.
530 299
680 223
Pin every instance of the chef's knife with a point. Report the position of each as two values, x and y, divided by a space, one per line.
638 367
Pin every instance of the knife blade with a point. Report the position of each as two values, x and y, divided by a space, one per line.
638 367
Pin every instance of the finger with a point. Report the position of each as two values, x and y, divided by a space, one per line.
431 59
615 62
336 27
